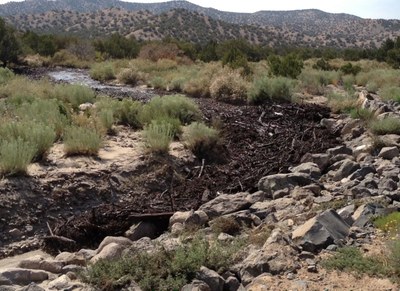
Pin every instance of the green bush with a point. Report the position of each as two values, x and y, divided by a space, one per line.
106 118
174 123
75 95
389 223
388 125
125 112
341 103
323 65
15 156
175 106
350 259
5 75
158 83
348 82
229 87
158 136
315 81
288 66
81 141
163 270
200 139
50 112
376 79
390 93
271 89
102 72
40 136
348 69
130 76
361 113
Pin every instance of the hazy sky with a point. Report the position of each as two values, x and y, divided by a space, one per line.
389 9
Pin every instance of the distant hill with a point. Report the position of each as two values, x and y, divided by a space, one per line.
187 21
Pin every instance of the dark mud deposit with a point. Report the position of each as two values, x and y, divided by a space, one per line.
257 141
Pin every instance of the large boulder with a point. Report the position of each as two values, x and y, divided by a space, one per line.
389 153
211 278
346 169
270 184
321 160
321 231
40 263
309 168
19 276
227 203
111 251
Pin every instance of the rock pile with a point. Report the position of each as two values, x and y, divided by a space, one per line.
326 202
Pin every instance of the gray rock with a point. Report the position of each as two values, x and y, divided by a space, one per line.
39 263
67 258
196 285
72 268
87 254
15 233
321 160
179 216
61 283
111 251
309 168
31 287
346 213
142 229
362 172
340 157
19 276
211 278
347 168
177 228
340 150
226 203
272 183
389 153
320 231
232 284
362 216
197 218
119 240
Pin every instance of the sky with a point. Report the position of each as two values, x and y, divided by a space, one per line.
387 9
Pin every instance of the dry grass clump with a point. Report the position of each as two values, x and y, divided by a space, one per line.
271 89
200 139
15 156
158 136
314 81
81 141
390 125
102 71
229 87
341 102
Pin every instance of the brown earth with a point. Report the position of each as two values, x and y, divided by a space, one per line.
86 199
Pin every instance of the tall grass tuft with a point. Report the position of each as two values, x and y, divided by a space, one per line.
81 141
390 125
341 103
158 136
271 89
15 156
75 95
229 87
5 75
200 139
390 93
102 72
174 106
314 81
40 136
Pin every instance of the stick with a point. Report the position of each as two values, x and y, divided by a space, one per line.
202 167
48 226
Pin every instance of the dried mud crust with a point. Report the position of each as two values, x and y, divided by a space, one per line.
257 141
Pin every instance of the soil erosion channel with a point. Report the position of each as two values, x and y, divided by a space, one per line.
85 199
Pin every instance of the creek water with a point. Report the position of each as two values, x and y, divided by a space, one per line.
82 77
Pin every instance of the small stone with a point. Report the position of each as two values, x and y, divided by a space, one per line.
15 233
388 153
290 276
332 248
312 269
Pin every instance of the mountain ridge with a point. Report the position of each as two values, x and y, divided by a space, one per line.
307 27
